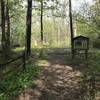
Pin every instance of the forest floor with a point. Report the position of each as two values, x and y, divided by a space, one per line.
59 80
52 76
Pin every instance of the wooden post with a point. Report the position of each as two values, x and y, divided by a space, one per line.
86 54
24 60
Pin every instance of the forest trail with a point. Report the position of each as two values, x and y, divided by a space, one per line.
58 81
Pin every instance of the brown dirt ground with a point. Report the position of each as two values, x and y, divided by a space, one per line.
57 81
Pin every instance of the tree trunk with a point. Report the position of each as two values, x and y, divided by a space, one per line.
41 21
28 27
8 29
3 29
71 26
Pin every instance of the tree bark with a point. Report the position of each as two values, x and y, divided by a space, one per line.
28 27
41 21
3 29
8 29
71 26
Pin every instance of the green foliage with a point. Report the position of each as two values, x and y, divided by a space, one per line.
3 96
96 43
88 21
96 62
42 55
17 82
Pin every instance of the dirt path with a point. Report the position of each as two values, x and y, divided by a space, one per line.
58 81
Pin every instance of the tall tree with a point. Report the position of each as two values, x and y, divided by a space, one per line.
71 26
7 28
42 21
28 27
3 28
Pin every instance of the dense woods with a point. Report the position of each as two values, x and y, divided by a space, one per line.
54 14
58 28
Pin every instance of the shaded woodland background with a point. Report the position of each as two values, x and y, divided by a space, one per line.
36 37
56 23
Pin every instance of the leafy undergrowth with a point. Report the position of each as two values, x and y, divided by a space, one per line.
96 62
92 76
16 82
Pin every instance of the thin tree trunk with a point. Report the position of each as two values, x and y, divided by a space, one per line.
28 27
41 21
71 26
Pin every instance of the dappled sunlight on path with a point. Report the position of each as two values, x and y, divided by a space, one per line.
58 81
61 81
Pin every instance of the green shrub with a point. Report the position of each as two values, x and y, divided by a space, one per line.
3 96
96 43
17 82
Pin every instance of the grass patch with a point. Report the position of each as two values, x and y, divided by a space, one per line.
94 62
16 82
18 49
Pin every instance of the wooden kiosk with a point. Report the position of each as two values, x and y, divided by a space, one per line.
80 43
